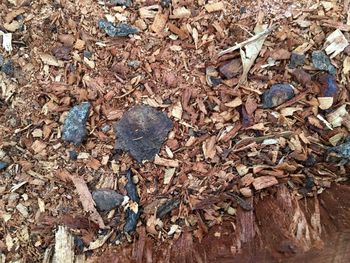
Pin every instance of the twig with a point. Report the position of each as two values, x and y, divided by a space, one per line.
246 42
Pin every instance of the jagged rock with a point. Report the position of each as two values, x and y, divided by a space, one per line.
74 128
107 199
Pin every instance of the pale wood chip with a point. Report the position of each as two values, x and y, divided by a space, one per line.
165 162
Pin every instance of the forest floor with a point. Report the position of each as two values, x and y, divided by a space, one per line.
247 114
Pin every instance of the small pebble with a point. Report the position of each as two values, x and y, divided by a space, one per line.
165 3
106 128
73 155
276 95
3 165
134 64
322 62
107 199
87 54
74 128
120 30
8 68
126 3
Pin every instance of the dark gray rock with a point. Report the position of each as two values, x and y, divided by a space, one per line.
120 30
74 128
276 95
106 199
142 131
73 155
322 62
341 151
3 165
296 60
126 3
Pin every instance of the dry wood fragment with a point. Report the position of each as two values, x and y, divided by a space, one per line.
264 182
86 200
166 162
214 7
64 246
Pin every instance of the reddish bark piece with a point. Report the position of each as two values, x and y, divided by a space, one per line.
264 182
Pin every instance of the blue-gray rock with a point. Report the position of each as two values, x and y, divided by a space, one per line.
141 132
126 3
296 60
8 67
2 60
74 128
73 155
322 62
276 95
105 128
106 199
120 30
3 165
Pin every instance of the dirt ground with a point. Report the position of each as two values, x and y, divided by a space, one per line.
247 172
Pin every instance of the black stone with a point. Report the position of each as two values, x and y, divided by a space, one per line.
142 131
106 199
74 128
322 62
130 187
3 165
276 95
296 60
166 208
131 219
126 3
120 30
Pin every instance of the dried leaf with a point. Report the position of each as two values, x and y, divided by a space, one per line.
209 149
252 51
51 60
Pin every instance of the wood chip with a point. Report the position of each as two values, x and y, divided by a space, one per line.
64 246
264 182
166 162
214 7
